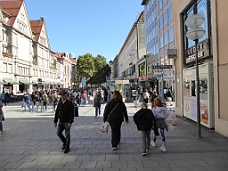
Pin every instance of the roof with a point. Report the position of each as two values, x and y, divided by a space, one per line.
12 8
73 60
59 54
36 26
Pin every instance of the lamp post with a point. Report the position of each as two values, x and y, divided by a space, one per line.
195 33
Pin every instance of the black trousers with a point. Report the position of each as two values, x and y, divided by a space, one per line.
116 133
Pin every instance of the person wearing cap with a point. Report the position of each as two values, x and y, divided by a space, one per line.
64 116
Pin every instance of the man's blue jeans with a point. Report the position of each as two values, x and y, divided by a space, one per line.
61 128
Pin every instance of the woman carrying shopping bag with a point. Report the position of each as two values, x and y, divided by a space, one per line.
115 111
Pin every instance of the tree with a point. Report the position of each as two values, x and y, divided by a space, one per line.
100 76
99 62
85 66
95 69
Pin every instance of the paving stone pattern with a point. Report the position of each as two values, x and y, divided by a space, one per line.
29 142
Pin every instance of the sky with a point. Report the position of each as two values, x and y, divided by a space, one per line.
86 26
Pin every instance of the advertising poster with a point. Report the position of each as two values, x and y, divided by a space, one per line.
187 107
203 110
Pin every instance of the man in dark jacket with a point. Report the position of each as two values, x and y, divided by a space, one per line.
145 121
64 115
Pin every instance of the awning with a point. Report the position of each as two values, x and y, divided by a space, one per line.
24 81
36 82
9 81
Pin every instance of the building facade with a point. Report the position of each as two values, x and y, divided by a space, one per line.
159 22
26 59
132 50
213 63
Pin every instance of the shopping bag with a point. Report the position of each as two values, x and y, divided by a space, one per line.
171 121
104 127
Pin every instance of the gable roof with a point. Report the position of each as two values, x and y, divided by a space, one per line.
73 60
60 54
12 8
36 26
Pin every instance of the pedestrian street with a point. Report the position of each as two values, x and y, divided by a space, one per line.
29 142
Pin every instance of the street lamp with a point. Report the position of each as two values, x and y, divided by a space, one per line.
195 33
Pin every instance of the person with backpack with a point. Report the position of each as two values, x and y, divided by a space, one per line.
97 103
45 100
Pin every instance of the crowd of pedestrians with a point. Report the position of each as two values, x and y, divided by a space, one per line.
115 112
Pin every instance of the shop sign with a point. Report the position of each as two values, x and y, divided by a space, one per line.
171 53
143 78
203 51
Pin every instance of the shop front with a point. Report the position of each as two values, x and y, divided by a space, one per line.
206 94
201 50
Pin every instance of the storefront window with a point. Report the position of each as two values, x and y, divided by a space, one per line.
142 69
201 8
203 88
186 87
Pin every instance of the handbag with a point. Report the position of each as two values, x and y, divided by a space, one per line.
104 127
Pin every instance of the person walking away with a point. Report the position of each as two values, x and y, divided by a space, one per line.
115 112
8 99
54 99
64 116
146 96
45 100
33 102
23 103
37 97
145 121
97 104
78 99
1 115
28 100
136 98
160 113
152 97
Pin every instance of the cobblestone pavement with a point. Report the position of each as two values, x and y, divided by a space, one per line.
29 142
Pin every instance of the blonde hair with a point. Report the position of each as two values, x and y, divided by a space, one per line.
144 105
158 102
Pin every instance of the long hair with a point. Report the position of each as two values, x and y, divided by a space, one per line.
158 102
116 96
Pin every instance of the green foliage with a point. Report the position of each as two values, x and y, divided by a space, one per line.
95 69
85 66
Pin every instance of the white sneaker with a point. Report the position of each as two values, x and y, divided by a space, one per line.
163 148
153 144
143 154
